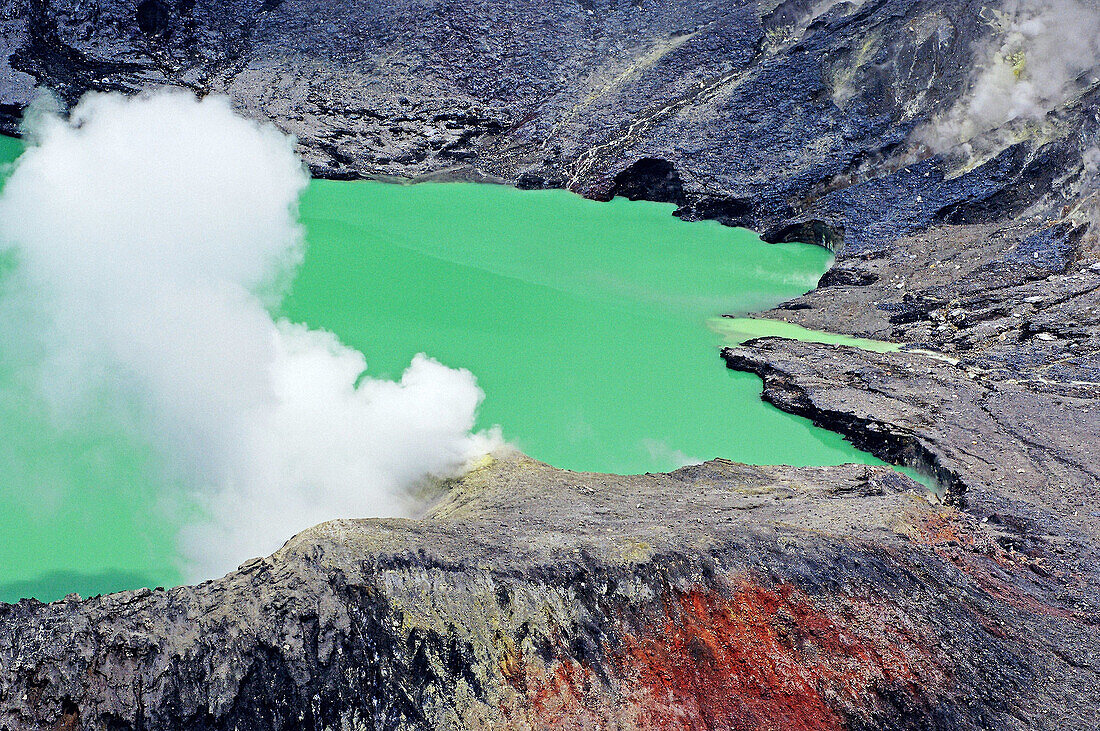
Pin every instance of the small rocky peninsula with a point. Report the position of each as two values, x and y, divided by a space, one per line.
719 596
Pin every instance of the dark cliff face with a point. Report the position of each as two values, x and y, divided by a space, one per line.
755 110
793 118
720 596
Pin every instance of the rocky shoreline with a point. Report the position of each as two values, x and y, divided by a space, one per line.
720 596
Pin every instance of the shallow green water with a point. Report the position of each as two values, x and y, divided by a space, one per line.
585 323
737 330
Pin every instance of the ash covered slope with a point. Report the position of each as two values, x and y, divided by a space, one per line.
720 596
810 598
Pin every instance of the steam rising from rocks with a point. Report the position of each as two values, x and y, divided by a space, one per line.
152 235
1038 53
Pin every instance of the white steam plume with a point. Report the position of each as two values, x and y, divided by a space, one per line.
1038 54
151 233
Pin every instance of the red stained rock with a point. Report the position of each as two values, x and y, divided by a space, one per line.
765 658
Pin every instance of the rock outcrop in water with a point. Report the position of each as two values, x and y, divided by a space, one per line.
720 596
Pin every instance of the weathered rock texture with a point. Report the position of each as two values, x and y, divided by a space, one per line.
720 596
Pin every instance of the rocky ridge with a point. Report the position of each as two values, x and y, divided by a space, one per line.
719 596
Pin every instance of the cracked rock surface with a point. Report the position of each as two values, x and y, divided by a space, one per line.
720 596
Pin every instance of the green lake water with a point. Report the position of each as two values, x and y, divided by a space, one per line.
584 322
590 327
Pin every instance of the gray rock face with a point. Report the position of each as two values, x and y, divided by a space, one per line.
720 596
1017 456
730 596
